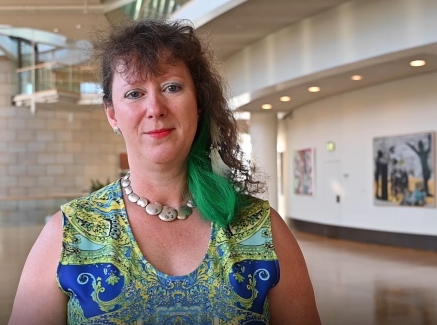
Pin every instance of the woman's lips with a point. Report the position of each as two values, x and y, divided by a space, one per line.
159 134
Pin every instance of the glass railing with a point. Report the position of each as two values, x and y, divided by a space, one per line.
79 79
51 75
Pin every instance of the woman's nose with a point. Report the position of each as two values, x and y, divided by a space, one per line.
156 106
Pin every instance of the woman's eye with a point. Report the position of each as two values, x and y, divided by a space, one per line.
173 88
133 95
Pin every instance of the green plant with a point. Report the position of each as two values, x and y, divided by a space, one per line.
97 185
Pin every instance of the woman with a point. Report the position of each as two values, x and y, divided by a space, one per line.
226 257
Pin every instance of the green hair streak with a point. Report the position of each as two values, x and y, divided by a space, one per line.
214 196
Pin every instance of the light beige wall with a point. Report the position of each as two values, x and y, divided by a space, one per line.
352 120
347 37
45 153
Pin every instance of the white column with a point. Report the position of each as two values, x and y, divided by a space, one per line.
263 131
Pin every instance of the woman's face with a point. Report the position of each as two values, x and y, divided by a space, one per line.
158 116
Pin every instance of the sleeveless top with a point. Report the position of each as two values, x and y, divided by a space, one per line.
109 281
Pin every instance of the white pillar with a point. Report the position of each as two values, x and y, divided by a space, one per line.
263 131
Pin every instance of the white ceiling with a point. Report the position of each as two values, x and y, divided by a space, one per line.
229 33
372 74
255 19
237 28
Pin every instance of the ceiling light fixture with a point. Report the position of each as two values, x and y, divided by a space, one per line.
314 89
285 99
356 77
78 26
55 30
417 63
266 106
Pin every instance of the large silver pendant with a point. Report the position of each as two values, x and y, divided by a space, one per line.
133 197
168 214
154 208
142 202
128 190
125 182
184 212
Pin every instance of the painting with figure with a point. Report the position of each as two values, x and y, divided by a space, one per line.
304 172
404 170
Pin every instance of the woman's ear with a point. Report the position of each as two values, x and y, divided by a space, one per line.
110 114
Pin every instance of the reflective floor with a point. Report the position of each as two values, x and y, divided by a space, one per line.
369 284
354 283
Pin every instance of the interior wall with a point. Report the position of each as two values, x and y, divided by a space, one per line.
282 163
47 153
263 133
358 33
352 120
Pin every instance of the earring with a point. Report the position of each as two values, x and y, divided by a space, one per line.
116 130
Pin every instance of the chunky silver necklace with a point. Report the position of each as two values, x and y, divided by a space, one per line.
164 212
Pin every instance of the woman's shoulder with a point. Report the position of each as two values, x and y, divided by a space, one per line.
98 217
252 210
105 199
249 237
253 217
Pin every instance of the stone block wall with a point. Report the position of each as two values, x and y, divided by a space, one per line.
45 153
48 158
52 152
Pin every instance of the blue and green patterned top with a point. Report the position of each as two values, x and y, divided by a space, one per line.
109 281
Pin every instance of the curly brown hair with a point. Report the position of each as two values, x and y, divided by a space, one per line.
143 45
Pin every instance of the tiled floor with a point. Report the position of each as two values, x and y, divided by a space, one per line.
354 283
15 244
368 284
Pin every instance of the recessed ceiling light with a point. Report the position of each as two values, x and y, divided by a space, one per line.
357 77
285 99
417 63
78 26
314 89
266 106
55 30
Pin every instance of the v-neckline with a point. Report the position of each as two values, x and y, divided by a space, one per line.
136 247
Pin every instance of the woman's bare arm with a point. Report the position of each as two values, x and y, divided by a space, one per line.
39 301
292 300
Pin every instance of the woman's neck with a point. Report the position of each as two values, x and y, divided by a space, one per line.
160 183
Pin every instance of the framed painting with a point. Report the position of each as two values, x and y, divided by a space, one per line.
404 170
304 172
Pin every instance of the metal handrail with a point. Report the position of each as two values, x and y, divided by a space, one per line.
38 66
52 75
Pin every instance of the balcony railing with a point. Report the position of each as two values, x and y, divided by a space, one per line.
52 83
70 87
51 75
